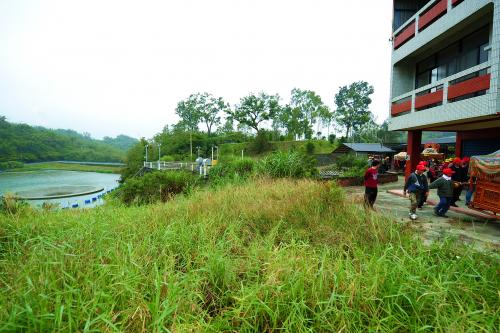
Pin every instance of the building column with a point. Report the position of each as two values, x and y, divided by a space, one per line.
413 151
458 144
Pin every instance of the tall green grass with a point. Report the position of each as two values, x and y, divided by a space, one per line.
266 255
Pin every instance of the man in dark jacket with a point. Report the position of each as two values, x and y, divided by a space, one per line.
416 185
459 177
444 187
423 197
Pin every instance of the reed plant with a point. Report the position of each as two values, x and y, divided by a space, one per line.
266 255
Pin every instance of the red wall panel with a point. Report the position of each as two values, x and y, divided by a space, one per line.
439 9
428 99
398 108
470 86
404 35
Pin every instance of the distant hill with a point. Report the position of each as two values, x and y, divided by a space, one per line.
21 142
122 142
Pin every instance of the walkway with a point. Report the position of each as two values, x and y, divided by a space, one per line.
474 230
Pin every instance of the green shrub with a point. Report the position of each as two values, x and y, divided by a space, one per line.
168 158
155 186
261 143
310 147
231 171
287 165
351 166
11 165
10 204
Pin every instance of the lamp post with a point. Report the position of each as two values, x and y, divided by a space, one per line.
159 151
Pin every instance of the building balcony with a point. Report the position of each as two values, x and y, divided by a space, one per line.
434 19
418 107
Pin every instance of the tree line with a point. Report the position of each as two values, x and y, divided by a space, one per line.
299 118
24 143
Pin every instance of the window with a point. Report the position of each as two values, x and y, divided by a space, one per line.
466 53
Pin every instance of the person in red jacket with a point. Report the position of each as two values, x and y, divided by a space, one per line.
371 184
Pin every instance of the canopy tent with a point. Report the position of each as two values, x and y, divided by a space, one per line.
486 166
402 156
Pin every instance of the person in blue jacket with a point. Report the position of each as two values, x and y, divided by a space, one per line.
417 187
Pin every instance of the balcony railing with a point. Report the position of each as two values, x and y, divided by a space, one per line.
469 86
428 99
401 107
424 18
405 35
443 91
438 9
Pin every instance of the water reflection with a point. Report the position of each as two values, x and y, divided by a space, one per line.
38 181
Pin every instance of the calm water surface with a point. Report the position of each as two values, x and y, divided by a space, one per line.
32 180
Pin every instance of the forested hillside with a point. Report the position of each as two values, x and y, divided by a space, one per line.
24 143
122 142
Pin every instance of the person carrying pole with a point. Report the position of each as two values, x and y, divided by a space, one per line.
423 197
459 177
417 187
444 186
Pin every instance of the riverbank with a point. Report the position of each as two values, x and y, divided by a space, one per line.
100 168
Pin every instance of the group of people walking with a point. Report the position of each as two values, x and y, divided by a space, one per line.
449 186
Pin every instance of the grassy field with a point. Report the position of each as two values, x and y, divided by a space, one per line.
263 256
70 167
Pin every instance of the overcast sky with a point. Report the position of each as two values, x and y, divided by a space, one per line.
120 67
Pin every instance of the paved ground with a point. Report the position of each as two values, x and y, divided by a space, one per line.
478 232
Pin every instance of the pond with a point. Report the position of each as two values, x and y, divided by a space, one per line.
65 188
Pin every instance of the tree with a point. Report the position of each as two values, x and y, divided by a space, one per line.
190 116
254 109
209 108
188 111
368 132
311 107
293 121
352 106
228 126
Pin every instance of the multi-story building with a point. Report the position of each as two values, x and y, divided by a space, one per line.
445 73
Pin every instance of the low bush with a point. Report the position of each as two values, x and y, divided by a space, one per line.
351 166
155 186
232 171
11 165
310 147
10 204
287 165
261 143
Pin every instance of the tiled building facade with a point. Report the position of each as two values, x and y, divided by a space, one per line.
445 71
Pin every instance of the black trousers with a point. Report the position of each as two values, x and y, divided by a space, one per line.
370 196
456 193
422 199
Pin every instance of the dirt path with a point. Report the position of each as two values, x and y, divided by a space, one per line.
480 233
